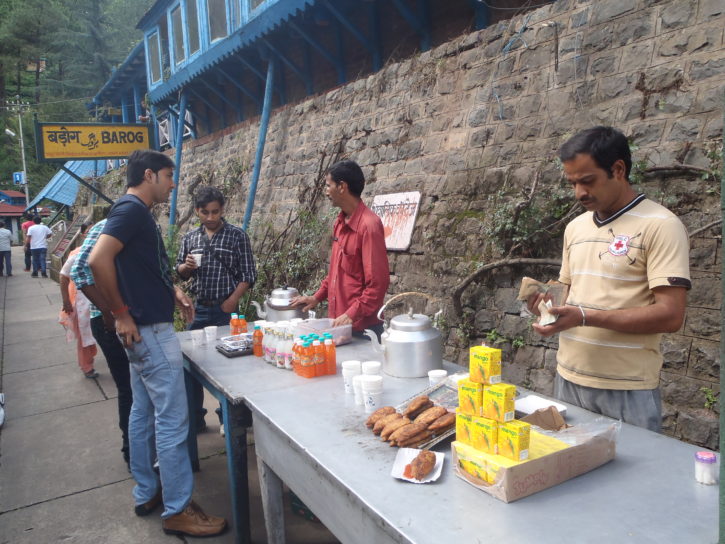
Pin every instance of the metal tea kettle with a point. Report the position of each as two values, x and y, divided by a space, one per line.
277 306
411 345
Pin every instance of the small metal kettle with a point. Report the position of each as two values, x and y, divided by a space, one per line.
277 306
411 345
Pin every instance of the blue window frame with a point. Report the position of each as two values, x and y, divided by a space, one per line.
153 54
217 17
191 14
177 38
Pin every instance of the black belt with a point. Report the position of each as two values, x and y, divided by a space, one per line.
209 303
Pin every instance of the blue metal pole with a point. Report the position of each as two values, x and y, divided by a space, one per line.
177 171
263 124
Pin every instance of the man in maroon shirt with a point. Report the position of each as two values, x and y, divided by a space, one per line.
358 277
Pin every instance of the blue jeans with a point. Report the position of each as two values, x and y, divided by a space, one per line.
159 421
39 256
6 263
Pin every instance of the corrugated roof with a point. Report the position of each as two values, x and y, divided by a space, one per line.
13 194
132 68
8 210
262 24
63 187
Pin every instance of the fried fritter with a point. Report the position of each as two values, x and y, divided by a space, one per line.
393 426
416 405
383 421
408 431
430 415
377 414
421 466
444 422
415 440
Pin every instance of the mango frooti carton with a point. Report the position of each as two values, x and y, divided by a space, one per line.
484 434
470 397
513 440
499 402
464 431
484 365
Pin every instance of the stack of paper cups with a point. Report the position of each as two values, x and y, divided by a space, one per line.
349 370
372 390
357 389
371 367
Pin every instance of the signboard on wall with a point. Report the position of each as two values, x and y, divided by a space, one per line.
398 212
87 141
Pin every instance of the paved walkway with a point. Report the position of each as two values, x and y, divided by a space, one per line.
62 477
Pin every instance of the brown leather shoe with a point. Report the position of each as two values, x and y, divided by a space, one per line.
194 522
148 507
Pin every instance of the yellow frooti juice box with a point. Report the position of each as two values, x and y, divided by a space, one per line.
464 432
513 440
484 365
484 434
498 402
470 461
470 397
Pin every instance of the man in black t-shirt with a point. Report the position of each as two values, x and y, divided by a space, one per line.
131 270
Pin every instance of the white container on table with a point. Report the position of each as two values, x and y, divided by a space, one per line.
372 391
350 369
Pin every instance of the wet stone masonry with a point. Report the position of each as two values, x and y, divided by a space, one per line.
473 122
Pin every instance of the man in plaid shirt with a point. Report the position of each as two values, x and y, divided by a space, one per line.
227 269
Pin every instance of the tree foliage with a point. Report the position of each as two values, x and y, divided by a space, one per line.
54 56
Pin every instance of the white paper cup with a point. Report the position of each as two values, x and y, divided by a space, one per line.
372 391
347 375
210 333
197 337
372 401
357 389
371 367
351 365
197 258
436 376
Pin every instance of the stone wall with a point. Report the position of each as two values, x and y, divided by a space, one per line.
474 124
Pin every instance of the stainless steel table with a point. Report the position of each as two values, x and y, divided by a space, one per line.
313 438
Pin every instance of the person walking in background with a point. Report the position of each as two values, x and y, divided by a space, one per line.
24 227
75 315
227 271
104 331
6 238
37 241
132 271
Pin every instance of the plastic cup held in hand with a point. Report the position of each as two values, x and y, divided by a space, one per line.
210 333
371 367
436 376
197 338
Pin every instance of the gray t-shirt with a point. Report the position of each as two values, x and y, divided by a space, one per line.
6 238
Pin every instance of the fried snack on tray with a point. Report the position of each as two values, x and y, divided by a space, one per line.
415 440
393 426
395 434
377 414
383 421
442 423
417 405
430 415
406 432
421 466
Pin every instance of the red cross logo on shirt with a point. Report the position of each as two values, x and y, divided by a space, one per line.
620 245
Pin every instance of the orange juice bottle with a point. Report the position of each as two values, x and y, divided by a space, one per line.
330 357
257 338
234 325
318 356
296 355
307 367
242 326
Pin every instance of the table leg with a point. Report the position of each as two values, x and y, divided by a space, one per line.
271 489
192 445
237 418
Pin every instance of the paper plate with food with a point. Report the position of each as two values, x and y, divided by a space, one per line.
418 466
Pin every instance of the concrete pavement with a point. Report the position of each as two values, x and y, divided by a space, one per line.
62 476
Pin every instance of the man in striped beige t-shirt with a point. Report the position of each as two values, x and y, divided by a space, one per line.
626 262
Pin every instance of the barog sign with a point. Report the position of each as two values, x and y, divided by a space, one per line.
78 141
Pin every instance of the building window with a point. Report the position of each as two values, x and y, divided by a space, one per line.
154 50
177 29
236 14
192 23
217 12
256 3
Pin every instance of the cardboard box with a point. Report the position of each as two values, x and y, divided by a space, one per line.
546 467
484 365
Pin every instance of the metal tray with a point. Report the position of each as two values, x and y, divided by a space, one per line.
443 394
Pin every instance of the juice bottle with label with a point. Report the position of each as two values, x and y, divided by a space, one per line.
318 356
272 346
242 325
330 357
234 325
307 365
257 338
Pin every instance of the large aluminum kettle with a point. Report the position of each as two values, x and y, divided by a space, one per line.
411 345
277 306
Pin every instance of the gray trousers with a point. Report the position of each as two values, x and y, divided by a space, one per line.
642 408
